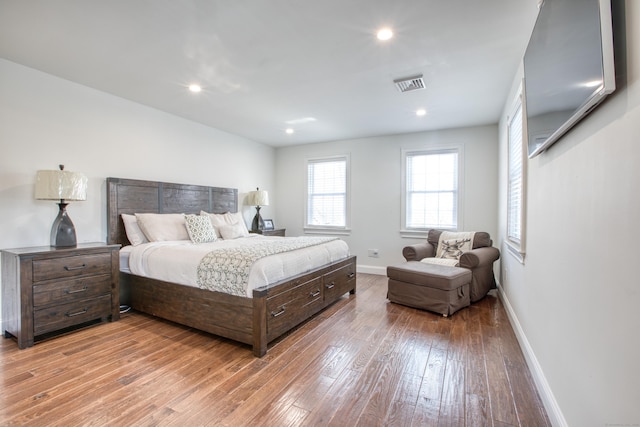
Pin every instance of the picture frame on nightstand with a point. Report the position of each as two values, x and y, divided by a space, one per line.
268 224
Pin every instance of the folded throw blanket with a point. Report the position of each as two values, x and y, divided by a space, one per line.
227 270
440 261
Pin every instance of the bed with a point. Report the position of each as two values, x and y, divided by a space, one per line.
271 311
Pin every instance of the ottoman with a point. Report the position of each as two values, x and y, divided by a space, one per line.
432 287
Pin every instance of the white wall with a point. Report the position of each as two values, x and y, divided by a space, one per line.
376 187
576 300
45 121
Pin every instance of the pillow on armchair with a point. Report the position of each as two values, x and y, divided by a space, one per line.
453 245
450 248
453 248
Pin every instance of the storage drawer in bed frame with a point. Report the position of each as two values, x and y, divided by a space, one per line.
291 303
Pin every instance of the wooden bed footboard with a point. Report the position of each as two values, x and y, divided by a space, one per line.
256 321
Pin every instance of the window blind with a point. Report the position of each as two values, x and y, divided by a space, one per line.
327 192
514 197
431 189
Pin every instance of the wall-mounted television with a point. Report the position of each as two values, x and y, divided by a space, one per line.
568 67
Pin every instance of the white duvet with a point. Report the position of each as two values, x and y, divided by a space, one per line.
178 261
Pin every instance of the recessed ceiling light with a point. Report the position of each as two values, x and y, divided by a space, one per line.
384 34
289 131
195 88
421 112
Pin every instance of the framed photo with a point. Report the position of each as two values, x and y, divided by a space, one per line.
268 224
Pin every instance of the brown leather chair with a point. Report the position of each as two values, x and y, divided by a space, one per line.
479 260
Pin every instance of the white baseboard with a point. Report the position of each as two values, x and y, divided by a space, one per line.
372 269
546 394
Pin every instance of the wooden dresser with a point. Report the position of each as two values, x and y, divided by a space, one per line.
47 291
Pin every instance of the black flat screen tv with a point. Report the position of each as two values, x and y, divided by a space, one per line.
568 67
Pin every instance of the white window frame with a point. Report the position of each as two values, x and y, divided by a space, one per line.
412 232
324 229
516 177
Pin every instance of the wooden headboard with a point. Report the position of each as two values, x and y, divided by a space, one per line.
131 196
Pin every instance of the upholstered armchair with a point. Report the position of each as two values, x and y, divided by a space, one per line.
479 259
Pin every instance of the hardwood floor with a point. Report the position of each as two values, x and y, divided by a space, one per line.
362 362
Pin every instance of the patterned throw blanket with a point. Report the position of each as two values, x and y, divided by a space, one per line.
227 270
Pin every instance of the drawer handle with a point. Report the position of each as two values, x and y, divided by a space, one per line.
315 293
77 313
351 275
330 285
75 291
278 313
80 267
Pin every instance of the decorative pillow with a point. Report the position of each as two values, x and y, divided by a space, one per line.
200 229
233 231
453 249
133 231
163 227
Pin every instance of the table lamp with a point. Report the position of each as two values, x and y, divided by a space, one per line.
64 186
258 198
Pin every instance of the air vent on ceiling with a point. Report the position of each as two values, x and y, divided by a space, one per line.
409 83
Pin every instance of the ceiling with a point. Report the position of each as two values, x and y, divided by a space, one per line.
266 64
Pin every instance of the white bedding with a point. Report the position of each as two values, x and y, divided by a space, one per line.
177 261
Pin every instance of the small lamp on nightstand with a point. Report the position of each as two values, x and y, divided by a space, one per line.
64 186
258 198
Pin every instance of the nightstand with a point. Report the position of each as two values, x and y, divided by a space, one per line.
276 232
47 291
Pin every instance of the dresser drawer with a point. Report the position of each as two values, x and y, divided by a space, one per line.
73 266
286 309
63 291
339 282
61 316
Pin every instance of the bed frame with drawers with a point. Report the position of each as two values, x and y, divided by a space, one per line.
272 311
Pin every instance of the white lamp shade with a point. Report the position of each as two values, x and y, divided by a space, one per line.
61 185
258 198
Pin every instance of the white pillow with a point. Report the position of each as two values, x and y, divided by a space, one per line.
133 231
200 229
236 218
233 231
219 220
163 227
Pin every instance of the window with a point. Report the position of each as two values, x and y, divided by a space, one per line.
431 193
515 186
327 201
